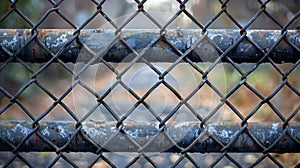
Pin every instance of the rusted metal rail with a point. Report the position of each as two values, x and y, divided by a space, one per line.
37 47
148 137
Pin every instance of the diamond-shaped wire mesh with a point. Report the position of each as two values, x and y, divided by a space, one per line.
145 83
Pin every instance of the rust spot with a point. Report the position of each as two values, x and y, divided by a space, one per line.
35 49
12 32
87 33
283 45
162 44
153 125
261 35
27 32
36 138
118 52
44 32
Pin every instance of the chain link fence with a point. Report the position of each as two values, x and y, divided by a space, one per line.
149 84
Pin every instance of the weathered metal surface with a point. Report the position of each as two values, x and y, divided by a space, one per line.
147 137
19 42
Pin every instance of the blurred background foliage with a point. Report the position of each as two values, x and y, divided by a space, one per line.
32 9
79 11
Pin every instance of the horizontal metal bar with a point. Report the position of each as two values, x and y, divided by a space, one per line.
97 40
184 134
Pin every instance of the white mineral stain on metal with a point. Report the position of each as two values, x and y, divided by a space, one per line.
62 132
25 131
182 124
60 41
213 35
4 42
243 47
93 132
272 38
46 132
134 134
274 128
113 128
12 43
226 134
178 43
292 131
9 136
47 40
